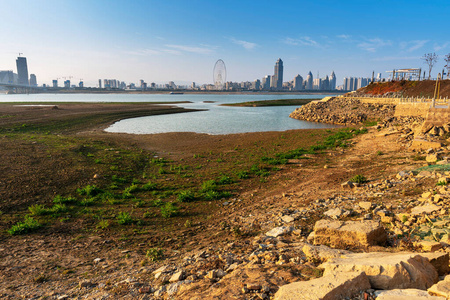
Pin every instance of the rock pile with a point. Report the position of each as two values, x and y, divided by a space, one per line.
342 111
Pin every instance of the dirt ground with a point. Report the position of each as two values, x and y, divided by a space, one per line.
39 263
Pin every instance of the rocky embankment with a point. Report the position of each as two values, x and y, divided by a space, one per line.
342 111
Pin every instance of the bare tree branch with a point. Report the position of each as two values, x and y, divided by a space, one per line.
430 59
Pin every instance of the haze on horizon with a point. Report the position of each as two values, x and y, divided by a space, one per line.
161 41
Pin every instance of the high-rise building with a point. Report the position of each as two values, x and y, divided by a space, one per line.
256 85
8 77
81 84
22 70
55 83
265 83
67 84
332 85
278 75
99 83
309 81
33 80
298 83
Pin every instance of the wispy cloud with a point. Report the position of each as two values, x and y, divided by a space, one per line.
438 47
391 58
144 52
413 45
192 49
344 36
305 41
372 45
247 45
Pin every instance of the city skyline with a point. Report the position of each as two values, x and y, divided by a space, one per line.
180 41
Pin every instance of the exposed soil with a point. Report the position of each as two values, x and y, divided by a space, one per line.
34 168
424 88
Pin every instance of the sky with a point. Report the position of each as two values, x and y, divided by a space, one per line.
180 41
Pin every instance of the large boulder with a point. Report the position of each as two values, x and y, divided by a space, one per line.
410 294
329 287
442 288
338 234
387 271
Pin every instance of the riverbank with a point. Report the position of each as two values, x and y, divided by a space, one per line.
281 102
110 209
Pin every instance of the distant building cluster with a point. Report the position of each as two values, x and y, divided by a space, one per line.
275 82
20 78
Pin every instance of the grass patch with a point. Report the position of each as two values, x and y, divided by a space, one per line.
28 225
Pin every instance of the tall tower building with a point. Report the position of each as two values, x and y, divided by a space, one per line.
332 81
33 80
309 81
22 70
278 75
298 83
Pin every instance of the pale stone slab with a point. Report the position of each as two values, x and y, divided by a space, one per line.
279 231
442 288
410 294
340 234
331 287
387 271
419 144
322 252
427 209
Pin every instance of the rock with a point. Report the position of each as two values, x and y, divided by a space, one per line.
177 276
439 260
85 284
328 287
427 209
334 213
420 144
429 246
366 205
322 252
173 287
348 185
442 288
387 270
160 292
279 231
340 234
410 294
287 219
432 158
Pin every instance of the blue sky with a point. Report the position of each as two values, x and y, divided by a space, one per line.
167 40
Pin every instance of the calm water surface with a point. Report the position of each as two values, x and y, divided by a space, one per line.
215 120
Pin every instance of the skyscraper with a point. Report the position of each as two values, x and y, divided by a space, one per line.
298 83
332 81
22 70
309 81
278 75
33 80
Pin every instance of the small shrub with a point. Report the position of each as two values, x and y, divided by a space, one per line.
155 254
28 225
89 190
188 224
124 218
149 186
212 195
224 179
129 191
242 174
103 224
87 202
359 179
379 153
38 210
64 200
209 185
59 208
169 210
118 179
186 196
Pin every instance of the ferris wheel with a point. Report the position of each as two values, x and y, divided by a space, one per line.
220 74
